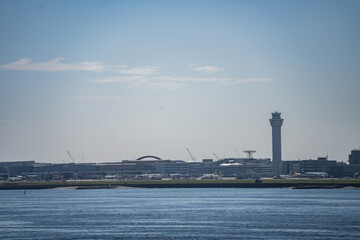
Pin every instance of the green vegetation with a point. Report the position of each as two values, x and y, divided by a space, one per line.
314 181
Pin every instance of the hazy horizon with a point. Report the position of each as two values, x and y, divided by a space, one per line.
115 80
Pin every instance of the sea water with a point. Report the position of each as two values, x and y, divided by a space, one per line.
180 213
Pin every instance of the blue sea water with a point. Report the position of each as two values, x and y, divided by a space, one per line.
181 213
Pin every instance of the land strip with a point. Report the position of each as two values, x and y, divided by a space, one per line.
238 183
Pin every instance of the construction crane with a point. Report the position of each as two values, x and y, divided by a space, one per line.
249 153
190 155
70 156
216 157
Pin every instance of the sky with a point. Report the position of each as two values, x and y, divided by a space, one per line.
115 80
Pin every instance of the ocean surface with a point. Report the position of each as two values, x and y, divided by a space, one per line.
181 213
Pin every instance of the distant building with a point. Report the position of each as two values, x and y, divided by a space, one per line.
353 166
245 167
3 173
63 171
17 163
338 170
320 165
354 157
16 168
347 170
290 167
227 167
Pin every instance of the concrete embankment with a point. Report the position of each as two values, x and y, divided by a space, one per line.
241 183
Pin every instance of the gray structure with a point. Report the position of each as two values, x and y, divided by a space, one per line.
276 123
12 169
322 164
354 157
130 169
290 167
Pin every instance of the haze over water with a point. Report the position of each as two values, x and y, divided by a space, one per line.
180 214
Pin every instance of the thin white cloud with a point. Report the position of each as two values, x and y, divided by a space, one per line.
120 79
247 80
141 81
141 76
146 70
60 65
55 65
187 79
208 69
166 85
169 82
221 81
95 97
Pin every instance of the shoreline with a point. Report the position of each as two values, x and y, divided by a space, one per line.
239 183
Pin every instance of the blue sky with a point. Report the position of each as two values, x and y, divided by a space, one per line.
113 80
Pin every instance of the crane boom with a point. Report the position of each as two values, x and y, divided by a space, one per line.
70 156
190 154
216 157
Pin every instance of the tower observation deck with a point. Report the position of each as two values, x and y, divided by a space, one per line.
276 122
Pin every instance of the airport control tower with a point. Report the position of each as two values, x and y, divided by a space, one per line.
276 123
